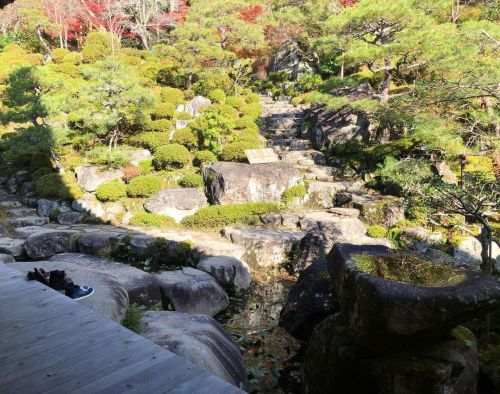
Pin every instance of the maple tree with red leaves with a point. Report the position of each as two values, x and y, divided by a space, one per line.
251 13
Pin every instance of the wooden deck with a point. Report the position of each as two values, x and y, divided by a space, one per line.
52 344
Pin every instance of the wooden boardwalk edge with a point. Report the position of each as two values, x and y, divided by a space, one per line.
50 343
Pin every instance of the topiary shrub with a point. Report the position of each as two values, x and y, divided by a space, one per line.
235 151
204 157
245 122
111 191
151 140
189 94
183 116
290 194
144 186
186 138
247 135
376 231
171 95
59 186
73 58
191 180
218 216
59 54
217 95
252 98
254 110
159 125
68 69
146 219
164 110
235 102
146 166
41 172
171 156
226 111
99 45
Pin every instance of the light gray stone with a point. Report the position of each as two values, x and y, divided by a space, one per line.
49 242
199 339
29 221
45 207
136 156
6 258
468 251
192 291
89 177
231 273
67 218
13 247
196 105
89 204
176 203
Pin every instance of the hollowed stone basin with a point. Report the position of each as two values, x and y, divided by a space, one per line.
394 299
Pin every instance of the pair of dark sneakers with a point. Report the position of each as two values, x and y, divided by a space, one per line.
58 280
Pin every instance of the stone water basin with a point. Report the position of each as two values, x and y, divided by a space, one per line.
393 299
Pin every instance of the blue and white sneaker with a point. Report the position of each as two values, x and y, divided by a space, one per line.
80 292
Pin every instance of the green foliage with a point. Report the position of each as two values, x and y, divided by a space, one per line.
297 191
186 138
217 95
183 116
218 216
151 220
59 54
164 110
171 95
235 151
253 110
235 102
245 122
146 166
132 318
376 231
38 173
212 128
151 140
144 186
102 155
192 180
99 45
204 157
59 186
158 126
111 191
171 156
309 81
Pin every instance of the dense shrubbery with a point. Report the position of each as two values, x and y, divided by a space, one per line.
191 180
150 140
186 138
218 216
376 231
41 172
217 95
298 191
235 151
163 110
204 157
144 186
171 156
111 191
146 219
59 186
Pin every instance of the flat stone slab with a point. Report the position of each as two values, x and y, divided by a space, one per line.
192 291
199 339
176 203
47 243
29 221
13 247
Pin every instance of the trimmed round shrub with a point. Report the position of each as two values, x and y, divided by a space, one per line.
159 125
41 172
186 138
171 156
245 122
248 136
60 186
68 69
235 151
235 102
59 54
191 180
151 140
204 157
146 166
98 46
111 191
183 116
226 111
290 194
189 94
252 98
144 186
73 58
146 219
376 231
164 110
217 95
171 95
254 110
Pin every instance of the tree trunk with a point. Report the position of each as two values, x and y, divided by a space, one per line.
43 42
386 83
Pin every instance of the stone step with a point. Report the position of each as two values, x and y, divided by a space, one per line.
295 156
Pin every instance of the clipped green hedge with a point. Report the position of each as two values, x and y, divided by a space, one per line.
297 191
41 172
60 186
146 219
218 216
144 186
217 95
151 140
171 156
191 180
376 231
159 125
235 151
171 95
111 191
164 110
253 110
204 157
235 102
186 138
245 122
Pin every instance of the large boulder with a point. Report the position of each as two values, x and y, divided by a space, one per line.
288 59
142 288
45 207
312 298
109 298
28 221
14 183
48 242
395 299
336 126
195 106
138 155
176 203
231 273
468 251
322 194
334 363
97 243
11 246
192 291
264 247
232 183
89 177
89 204
199 339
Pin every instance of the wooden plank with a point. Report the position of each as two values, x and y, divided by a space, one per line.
204 383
